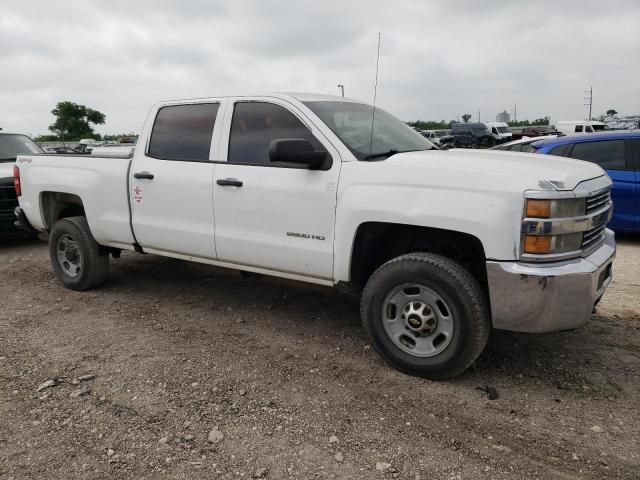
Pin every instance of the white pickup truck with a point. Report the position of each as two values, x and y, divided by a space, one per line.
443 245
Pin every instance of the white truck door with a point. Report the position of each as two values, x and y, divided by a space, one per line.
171 180
274 216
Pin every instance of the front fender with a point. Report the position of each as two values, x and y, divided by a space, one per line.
492 217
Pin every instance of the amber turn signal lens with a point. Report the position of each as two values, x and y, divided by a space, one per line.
537 244
538 209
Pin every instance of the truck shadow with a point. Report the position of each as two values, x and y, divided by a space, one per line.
17 241
603 356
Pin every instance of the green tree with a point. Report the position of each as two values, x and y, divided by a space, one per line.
611 112
541 121
466 117
429 125
45 138
73 121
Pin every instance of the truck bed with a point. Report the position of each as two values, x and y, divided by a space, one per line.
101 182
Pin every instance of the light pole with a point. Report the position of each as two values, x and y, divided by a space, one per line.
341 87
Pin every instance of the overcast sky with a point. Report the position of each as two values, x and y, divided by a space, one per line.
439 59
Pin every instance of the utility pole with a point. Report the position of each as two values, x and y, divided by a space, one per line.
341 87
478 116
589 100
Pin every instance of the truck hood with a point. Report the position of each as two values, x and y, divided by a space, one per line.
542 172
6 170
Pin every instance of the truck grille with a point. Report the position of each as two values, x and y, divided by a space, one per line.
8 201
597 201
593 237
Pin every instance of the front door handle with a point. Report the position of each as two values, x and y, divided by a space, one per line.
145 175
229 182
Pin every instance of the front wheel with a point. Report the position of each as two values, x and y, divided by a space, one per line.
426 315
77 260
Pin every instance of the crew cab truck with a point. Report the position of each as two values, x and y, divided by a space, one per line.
443 245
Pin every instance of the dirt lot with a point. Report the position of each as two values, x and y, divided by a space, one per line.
284 377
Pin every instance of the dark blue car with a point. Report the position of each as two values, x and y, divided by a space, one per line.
618 153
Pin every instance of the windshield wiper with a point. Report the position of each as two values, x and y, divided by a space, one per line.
7 159
389 153
381 154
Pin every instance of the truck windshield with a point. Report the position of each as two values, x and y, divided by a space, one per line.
504 129
351 122
12 145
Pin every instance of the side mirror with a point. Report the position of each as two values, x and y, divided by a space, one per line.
296 150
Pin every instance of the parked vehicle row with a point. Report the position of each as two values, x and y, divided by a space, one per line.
435 136
472 135
536 131
444 246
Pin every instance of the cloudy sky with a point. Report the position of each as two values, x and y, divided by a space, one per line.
439 59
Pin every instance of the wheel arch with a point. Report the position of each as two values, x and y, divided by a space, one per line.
57 205
378 242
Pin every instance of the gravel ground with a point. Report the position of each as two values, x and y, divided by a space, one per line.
178 370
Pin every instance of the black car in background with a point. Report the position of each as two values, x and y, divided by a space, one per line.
471 135
11 145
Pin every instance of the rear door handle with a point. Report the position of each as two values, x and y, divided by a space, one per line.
145 175
229 182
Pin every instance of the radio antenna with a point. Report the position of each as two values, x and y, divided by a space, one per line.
375 92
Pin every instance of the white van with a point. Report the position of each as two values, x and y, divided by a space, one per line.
500 130
569 127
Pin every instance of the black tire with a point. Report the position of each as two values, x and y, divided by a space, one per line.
464 297
94 259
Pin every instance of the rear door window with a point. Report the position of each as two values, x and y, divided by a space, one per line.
183 132
635 144
609 154
578 128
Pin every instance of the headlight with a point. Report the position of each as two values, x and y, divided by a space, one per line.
558 208
543 244
548 228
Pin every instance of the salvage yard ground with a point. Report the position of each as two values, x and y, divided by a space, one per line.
178 370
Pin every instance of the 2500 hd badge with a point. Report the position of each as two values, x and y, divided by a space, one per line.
305 235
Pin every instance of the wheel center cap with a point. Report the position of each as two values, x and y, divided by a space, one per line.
71 255
414 321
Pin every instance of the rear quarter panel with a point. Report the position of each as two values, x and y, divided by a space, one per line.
101 184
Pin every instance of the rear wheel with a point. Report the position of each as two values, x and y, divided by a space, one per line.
77 260
426 315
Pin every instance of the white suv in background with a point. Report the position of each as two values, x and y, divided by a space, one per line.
571 127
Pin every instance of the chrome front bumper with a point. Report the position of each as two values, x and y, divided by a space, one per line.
527 297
